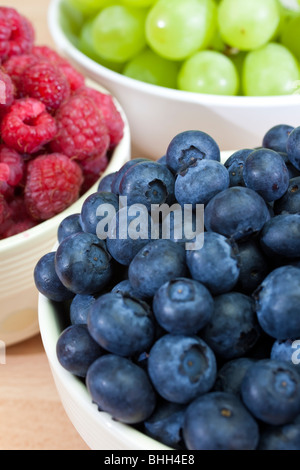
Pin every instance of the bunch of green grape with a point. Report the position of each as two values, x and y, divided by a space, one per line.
220 47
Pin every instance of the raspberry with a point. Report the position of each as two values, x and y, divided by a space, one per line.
14 228
92 169
45 82
112 117
15 66
4 211
7 90
53 184
15 164
81 130
75 78
27 127
16 33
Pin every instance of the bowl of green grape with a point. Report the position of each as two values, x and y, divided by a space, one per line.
227 67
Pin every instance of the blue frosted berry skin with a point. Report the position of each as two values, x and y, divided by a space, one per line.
106 183
121 325
266 173
278 303
287 351
253 265
219 421
280 236
79 308
181 367
276 138
124 287
121 388
235 166
285 437
233 329
289 203
158 262
236 213
76 350
188 146
148 183
231 374
82 264
69 226
115 184
293 147
271 391
89 217
200 182
47 282
183 306
216 264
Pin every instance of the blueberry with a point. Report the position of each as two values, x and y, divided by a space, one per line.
115 185
293 172
284 350
230 375
148 183
124 287
253 265
83 264
233 329
219 421
121 240
278 303
285 437
293 147
188 146
90 216
79 308
181 367
236 213
47 282
121 388
182 306
69 226
235 166
166 423
158 262
290 201
276 138
215 264
76 350
266 173
271 391
106 183
213 176
280 236
120 324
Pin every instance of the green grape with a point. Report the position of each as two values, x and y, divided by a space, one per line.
290 36
151 68
71 21
238 60
270 70
209 72
86 46
118 32
138 3
248 24
175 29
88 7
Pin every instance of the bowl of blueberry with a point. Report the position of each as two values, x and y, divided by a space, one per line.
227 67
60 133
170 314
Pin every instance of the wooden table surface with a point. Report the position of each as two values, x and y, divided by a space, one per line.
31 414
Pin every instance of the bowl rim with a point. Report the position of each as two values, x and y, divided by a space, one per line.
31 235
93 67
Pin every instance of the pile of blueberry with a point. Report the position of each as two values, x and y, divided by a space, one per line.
196 348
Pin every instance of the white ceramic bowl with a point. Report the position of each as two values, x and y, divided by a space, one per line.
97 429
157 114
20 253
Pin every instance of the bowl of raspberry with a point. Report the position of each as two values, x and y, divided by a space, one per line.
230 68
60 134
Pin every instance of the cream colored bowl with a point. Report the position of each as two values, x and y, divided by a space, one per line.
156 114
97 429
20 253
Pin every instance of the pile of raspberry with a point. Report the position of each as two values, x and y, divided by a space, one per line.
56 134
